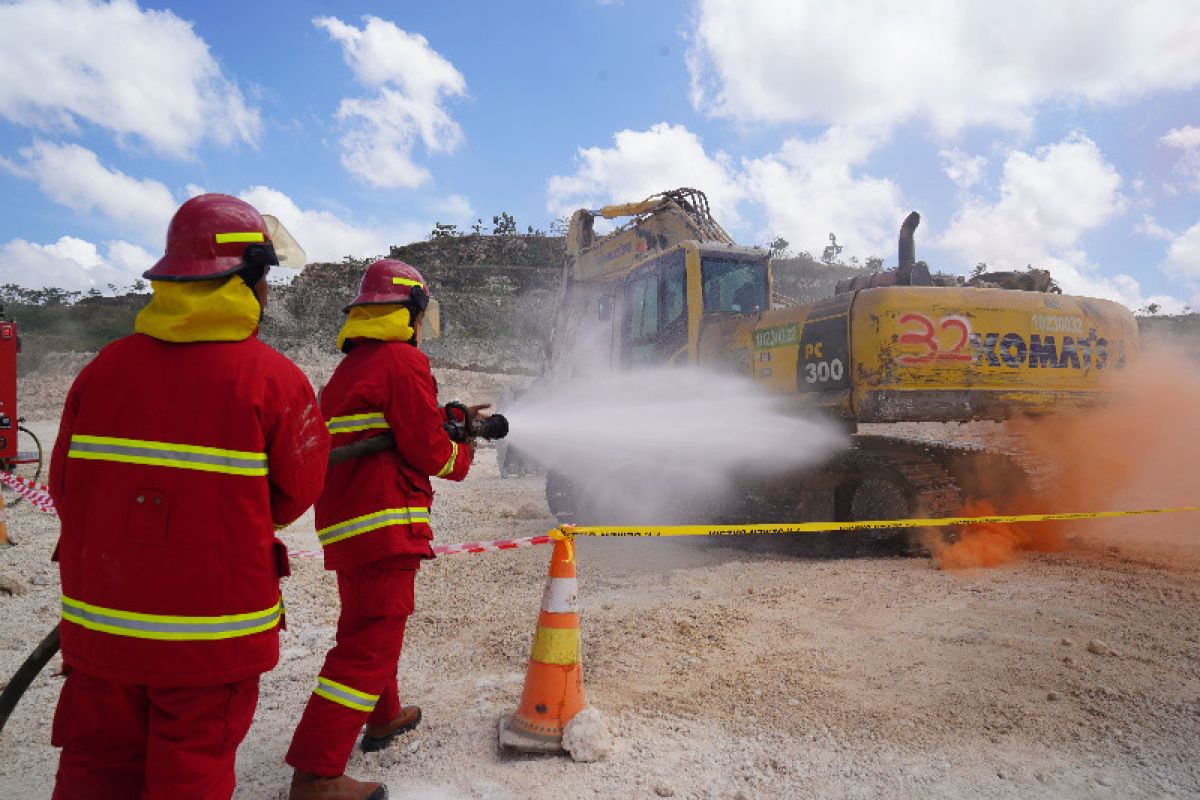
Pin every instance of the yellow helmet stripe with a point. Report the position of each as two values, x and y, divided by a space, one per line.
406 282
246 236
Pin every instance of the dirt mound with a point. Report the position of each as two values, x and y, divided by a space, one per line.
40 393
1181 332
496 295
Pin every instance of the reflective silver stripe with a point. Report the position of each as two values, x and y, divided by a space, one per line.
166 454
168 627
344 695
357 422
370 522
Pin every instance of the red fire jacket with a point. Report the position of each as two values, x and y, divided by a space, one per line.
378 506
173 464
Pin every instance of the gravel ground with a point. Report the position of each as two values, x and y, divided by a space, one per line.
729 672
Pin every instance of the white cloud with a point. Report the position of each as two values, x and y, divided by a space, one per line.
955 64
413 82
642 163
1047 202
1183 254
963 169
324 235
1185 138
810 188
76 264
73 176
73 264
1151 228
862 210
1187 141
144 74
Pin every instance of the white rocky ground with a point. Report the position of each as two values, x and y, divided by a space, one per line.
727 673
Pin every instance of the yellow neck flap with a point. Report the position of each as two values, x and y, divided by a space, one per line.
387 323
222 310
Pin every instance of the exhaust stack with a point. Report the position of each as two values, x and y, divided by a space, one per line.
907 255
909 272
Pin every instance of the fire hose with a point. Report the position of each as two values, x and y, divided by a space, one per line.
461 425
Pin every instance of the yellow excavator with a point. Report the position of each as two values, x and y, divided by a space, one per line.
672 288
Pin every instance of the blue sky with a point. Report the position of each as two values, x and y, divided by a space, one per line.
1065 136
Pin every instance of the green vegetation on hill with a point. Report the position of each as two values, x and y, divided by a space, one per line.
53 320
804 279
534 251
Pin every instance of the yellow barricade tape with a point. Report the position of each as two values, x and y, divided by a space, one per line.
561 535
820 527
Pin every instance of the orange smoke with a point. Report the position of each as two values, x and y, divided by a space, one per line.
1140 449
993 543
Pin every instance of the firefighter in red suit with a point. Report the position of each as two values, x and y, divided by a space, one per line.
182 447
373 525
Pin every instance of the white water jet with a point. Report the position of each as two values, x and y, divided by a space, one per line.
664 444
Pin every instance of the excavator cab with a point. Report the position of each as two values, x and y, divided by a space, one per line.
667 302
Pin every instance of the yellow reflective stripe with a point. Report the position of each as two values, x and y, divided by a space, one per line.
556 645
446 470
373 521
247 236
169 627
344 695
406 282
357 422
167 454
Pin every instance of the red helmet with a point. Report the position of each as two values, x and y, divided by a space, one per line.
211 236
391 281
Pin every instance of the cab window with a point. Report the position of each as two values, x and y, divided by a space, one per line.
734 286
655 324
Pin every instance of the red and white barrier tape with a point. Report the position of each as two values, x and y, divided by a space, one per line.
39 497
488 547
37 494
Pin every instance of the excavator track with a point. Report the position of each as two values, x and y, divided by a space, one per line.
1008 476
894 478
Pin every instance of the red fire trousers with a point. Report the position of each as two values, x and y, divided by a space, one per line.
126 742
357 684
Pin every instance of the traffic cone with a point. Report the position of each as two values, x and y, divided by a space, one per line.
554 682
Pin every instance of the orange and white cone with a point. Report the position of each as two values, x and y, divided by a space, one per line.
554 682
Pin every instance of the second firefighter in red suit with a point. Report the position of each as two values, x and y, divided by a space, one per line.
181 448
373 525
